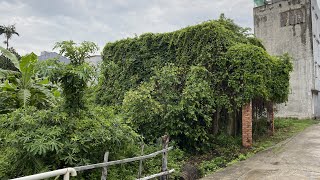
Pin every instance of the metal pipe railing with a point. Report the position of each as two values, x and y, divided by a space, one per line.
66 172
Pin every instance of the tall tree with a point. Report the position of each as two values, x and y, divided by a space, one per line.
8 31
75 76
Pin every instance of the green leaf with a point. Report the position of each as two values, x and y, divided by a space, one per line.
48 96
27 63
8 86
44 81
56 93
10 56
24 95
5 73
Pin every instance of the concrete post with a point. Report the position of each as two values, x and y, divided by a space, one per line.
247 125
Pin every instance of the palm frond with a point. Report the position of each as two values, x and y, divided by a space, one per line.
2 30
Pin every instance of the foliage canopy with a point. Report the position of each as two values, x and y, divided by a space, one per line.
179 81
8 31
75 76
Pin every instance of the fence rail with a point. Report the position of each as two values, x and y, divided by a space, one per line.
110 163
66 172
73 171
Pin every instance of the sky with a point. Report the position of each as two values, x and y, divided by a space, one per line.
41 23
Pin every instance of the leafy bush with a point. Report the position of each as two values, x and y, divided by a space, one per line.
176 159
42 140
33 141
191 82
131 61
213 165
75 76
173 102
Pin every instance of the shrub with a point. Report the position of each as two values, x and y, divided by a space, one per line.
173 102
42 140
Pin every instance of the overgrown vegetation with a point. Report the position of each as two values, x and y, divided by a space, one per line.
189 84
43 140
70 133
192 82
25 87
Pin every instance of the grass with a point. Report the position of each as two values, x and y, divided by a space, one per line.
284 129
233 153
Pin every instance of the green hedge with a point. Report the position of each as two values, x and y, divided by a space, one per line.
178 81
131 61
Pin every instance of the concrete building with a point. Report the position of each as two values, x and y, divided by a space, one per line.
51 55
293 26
93 60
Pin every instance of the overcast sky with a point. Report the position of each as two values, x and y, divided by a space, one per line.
41 23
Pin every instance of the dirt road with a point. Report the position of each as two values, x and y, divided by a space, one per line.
297 158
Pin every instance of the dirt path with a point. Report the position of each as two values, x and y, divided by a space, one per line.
295 159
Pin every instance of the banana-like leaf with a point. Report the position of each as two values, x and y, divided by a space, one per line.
27 68
24 96
5 73
28 62
8 86
10 56
48 96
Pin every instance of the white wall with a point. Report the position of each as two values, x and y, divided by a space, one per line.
285 27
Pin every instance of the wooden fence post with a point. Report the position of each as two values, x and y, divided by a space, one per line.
140 164
165 143
105 169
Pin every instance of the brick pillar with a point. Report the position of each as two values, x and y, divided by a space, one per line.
270 118
247 125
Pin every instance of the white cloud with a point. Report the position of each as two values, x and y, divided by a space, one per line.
42 23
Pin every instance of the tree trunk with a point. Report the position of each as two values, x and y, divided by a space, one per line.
270 118
215 123
235 117
7 43
231 123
